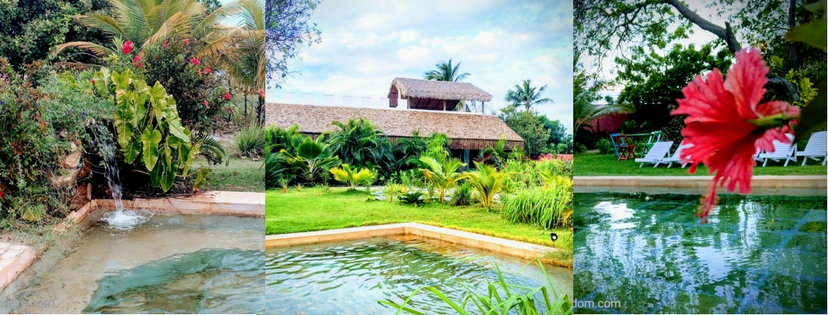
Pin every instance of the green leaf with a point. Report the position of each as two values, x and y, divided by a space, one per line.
158 98
813 115
131 151
187 156
156 174
150 140
201 178
176 129
812 33
32 213
101 79
121 80
168 176
123 127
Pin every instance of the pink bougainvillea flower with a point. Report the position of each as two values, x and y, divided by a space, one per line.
136 62
199 71
194 61
261 92
186 41
228 96
206 104
127 48
725 128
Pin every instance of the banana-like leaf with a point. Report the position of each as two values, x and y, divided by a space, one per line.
150 140
123 126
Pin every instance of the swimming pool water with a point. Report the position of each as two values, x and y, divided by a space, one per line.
649 254
350 277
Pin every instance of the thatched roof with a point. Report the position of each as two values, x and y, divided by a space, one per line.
466 130
439 90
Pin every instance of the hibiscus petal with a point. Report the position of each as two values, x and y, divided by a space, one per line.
706 100
746 80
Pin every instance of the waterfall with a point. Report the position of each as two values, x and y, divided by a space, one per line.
120 219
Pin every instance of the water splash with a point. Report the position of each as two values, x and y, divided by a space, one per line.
120 219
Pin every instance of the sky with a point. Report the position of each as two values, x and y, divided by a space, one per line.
366 44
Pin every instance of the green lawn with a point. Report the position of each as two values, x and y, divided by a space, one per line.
237 175
313 209
608 164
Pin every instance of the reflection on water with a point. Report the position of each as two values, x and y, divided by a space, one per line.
757 254
350 277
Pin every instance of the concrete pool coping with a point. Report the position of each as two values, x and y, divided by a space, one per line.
14 259
760 181
495 244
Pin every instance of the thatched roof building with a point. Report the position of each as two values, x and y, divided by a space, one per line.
467 131
434 95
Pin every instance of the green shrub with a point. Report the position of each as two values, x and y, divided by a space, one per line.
547 207
251 141
462 195
413 197
604 146
352 177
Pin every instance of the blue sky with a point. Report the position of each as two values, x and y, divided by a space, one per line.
365 44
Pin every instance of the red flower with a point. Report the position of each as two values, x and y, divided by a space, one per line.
228 96
93 81
721 129
261 92
207 70
206 104
229 111
164 44
199 71
194 61
136 62
127 48
186 41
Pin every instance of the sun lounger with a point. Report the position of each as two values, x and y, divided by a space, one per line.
676 158
816 148
657 153
781 151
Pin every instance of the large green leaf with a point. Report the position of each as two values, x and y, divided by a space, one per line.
175 127
131 151
150 141
158 98
813 114
123 126
202 177
122 80
168 176
812 33
101 81
187 156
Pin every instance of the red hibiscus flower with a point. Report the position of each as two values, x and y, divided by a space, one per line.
229 111
206 104
261 92
136 62
186 41
194 61
227 96
725 125
199 71
127 48
164 44
207 70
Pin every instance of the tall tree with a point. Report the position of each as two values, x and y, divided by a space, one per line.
287 29
526 95
527 125
445 72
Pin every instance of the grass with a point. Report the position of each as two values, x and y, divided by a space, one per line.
608 164
314 209
240 174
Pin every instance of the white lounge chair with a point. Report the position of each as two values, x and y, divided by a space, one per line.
816 148
657 153
781 151
676 158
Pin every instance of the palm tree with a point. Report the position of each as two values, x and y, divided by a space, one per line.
359 143
487 181
148 22
585 112
443 176
527 95
445 72
313 157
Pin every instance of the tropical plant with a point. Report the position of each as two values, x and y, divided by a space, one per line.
487 182
312 157
445 72
443 176
412 197
251 141
604 146
211 149
360 144
497 154
352 177
147 23
544 207
462 195
501 297
392 188
148 127
526 95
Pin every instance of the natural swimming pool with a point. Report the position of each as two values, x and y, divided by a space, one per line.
168 264
647 253
349 277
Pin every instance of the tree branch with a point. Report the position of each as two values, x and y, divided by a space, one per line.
725 33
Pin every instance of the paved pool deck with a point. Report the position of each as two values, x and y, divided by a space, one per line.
762 184
490 243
